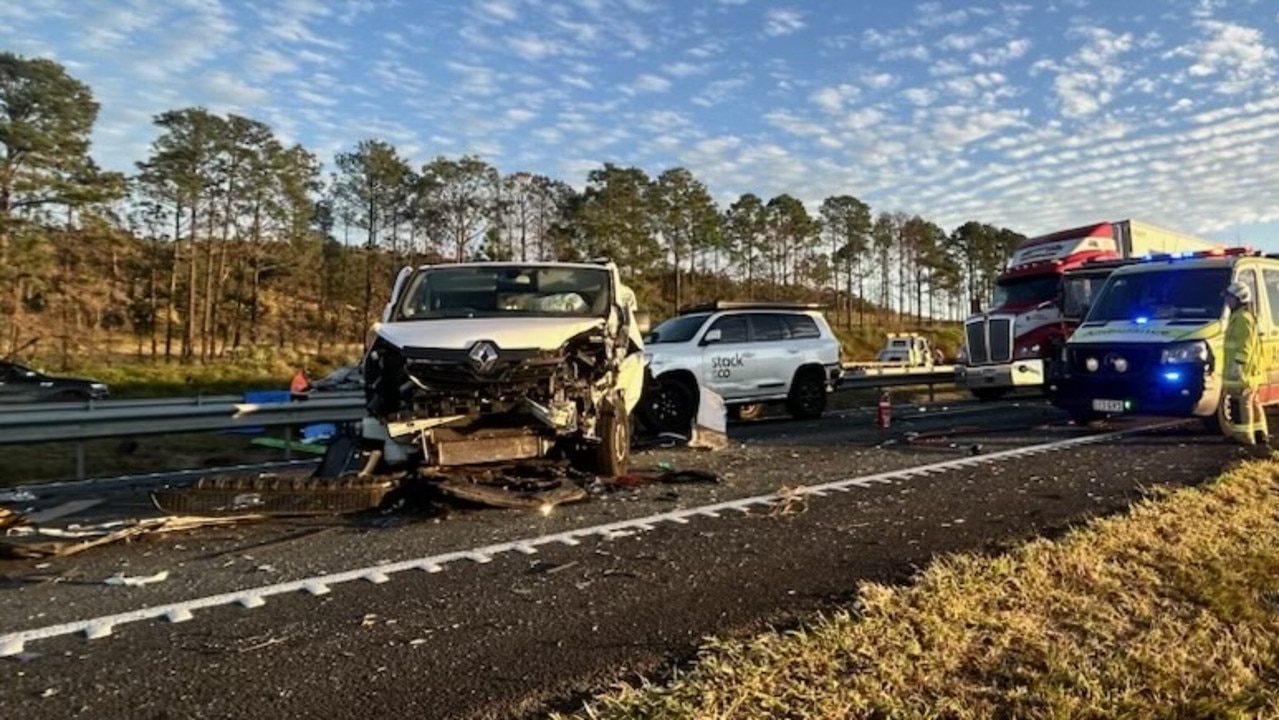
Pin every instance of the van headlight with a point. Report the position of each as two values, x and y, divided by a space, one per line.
1184 353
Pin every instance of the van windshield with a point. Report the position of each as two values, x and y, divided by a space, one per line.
506 290
1162 295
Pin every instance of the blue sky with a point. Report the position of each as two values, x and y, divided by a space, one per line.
1033 115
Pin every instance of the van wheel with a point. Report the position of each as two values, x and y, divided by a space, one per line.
609 457
807 395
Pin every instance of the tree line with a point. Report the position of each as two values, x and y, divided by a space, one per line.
225 237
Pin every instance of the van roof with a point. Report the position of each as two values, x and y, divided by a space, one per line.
1227 261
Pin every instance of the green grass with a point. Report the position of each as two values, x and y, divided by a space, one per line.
261 369
1171 611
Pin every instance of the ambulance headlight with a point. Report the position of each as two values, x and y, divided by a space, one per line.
1184 353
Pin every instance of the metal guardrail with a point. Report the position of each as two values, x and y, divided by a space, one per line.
72 422
877 370
102 405
73 425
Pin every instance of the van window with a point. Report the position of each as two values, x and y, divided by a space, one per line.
1163 295
1248 277
1271 278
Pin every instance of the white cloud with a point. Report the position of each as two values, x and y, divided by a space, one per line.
500 10
1013 50
1087 80
832 99
650 84
1237 56
519 115
783 22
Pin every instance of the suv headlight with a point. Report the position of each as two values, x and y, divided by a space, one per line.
1184 353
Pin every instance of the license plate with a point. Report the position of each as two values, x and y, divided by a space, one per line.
1108 405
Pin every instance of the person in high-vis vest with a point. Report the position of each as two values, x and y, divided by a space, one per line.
1243 418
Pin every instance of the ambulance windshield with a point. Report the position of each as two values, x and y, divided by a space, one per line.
1183 294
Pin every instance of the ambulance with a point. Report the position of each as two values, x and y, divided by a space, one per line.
1152 341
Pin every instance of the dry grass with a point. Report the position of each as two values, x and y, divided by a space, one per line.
1171 611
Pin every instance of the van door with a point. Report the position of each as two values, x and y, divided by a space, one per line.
1269 331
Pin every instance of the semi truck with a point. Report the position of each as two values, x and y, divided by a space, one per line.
1008 346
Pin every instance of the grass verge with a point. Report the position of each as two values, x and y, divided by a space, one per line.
1170 611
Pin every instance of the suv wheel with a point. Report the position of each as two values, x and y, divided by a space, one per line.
672 406
807 394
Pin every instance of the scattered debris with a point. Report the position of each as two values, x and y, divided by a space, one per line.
9 518
29 541
271 494
686 477
137 581
16 496
512 496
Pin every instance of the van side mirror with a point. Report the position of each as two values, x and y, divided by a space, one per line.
644 321
713 335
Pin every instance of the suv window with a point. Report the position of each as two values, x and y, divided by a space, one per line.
768 328
677 329
732 329
802 327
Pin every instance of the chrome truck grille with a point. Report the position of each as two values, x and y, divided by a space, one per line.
990 340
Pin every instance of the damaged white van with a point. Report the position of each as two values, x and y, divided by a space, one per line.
487 362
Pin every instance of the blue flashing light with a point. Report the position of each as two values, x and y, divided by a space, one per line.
1141 320
1172 376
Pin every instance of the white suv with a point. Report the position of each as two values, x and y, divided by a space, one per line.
749 354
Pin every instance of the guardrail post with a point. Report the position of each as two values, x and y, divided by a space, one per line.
79 460
931 387
288 442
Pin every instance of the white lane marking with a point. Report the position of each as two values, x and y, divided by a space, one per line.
93 628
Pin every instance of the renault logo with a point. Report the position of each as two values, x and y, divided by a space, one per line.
483 354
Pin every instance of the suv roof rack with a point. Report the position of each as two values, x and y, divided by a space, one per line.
748 305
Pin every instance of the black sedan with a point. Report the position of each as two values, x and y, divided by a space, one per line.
21 384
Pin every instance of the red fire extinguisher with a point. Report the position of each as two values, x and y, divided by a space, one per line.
884 414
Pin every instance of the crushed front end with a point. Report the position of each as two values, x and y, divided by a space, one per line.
499 385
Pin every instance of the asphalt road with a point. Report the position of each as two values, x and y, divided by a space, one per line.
521 634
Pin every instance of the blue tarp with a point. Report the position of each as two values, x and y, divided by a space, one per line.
261 397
